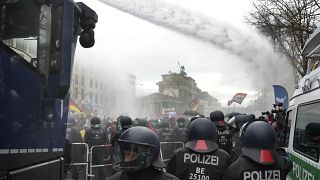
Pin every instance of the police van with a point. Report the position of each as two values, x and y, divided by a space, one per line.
303 117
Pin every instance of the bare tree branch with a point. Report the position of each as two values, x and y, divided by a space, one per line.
288 23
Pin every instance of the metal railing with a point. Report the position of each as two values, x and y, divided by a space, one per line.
161 151
87 158
90 159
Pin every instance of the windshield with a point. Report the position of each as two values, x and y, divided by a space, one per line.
19 28
25 28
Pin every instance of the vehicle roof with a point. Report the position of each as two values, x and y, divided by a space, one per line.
312 45
309 83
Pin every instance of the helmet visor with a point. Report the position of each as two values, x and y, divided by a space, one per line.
132 157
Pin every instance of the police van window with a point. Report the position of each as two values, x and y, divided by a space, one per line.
55 46
285 134
19 26
25 27
307 131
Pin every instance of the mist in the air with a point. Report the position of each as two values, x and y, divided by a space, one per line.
264 65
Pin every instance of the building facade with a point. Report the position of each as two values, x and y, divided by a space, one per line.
94 93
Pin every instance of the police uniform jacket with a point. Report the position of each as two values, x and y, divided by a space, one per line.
96 136
188 164
145 174
236 146
179 135
115 136
246 169
224 138
77 151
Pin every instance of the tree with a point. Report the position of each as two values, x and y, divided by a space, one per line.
288 24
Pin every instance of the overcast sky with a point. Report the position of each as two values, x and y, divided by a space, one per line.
146 50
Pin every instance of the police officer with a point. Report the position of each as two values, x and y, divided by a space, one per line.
200 158
137 156
165 134
77 151
224 134
93 137
237 145
259 159
180 131
124 123
143 122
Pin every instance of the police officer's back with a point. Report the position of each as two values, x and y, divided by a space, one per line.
200 158
137 156
165 134
259 159
124 123
94 137
180 131
224 135
237 145
77 151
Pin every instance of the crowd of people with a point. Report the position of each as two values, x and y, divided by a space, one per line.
231 147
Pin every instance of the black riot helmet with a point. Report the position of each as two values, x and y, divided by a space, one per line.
95 122
181 122
135 122
202 136
240 120
192 119
137 148
217 117
143 123
124 122
259 140
164 125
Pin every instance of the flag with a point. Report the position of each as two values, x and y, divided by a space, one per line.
73 106
90 105
194 104
238 98
280 95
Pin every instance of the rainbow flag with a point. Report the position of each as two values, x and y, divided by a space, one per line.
73 106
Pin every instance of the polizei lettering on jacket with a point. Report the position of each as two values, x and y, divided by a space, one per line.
201 159
262 175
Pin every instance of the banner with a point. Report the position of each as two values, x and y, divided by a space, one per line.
238 98
194 104
280 95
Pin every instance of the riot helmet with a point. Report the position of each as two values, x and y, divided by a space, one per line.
217 117
228 116
164 125
137 148
135 122
259 140
124 122
181 122
143 123
192 119
95 122
202 136
240 120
